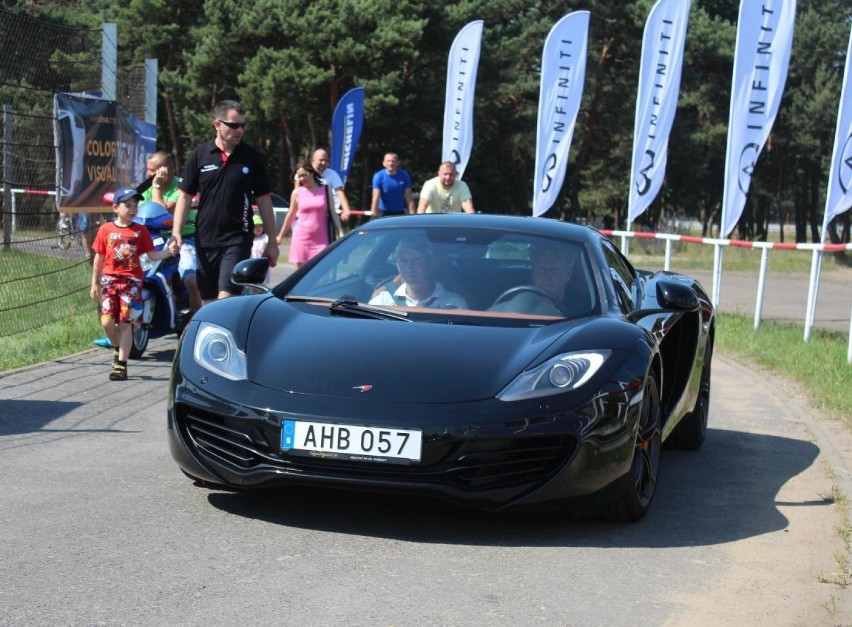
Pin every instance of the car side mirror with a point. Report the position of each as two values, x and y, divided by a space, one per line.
251 273
673 295
670 296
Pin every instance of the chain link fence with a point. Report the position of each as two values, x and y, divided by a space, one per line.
45 269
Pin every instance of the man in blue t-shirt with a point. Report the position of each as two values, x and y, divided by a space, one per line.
391 189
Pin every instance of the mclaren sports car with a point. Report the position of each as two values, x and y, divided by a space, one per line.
499 362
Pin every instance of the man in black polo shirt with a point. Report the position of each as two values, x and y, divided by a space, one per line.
225 172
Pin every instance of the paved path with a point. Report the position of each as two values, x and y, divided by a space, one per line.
786 296
100 527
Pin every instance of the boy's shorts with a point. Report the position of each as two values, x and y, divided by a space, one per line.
188 262
121 298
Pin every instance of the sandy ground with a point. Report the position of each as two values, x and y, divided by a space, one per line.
793 575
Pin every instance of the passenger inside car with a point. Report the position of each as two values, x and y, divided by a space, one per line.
551 291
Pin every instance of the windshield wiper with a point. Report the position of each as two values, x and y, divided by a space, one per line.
351 307
308 299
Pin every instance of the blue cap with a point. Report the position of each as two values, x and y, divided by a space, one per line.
125 193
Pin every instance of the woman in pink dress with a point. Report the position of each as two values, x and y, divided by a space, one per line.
309 202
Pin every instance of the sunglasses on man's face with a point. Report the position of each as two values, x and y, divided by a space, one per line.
233 125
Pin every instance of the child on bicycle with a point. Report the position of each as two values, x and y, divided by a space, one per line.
117 275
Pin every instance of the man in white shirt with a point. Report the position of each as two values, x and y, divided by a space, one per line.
415 262
445 193
321 161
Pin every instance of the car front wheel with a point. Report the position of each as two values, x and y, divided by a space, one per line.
636 499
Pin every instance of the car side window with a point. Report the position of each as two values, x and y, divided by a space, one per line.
621 275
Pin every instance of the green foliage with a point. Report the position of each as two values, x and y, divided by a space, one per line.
289 62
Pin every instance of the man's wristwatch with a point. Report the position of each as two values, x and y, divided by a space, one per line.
155 185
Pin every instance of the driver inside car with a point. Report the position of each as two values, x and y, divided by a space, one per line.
415 262
548 293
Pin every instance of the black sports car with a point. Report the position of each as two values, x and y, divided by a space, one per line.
490 360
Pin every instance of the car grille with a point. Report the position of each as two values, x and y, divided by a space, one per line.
475 464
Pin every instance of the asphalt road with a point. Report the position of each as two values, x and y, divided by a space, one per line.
99 526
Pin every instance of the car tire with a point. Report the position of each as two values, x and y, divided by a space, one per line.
641 486
140 341
691 431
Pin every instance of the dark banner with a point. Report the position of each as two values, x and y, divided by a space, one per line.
99 147
347 122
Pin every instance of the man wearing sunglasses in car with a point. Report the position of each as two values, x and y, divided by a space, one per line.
226 173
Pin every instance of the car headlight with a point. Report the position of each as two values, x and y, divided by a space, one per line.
558 374
216 350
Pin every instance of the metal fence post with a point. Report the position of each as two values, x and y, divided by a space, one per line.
7 177
151 75
109 60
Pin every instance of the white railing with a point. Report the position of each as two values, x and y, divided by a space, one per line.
15 191
817 250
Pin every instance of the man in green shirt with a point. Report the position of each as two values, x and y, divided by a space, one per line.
161 166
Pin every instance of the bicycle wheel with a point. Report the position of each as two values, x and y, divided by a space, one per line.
63 233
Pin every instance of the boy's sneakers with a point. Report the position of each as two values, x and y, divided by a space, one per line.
119 371
103 342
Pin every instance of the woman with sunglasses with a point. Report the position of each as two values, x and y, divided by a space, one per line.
318 221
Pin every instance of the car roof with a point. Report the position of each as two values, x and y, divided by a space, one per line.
519 224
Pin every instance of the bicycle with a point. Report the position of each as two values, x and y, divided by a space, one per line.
70 231
66 234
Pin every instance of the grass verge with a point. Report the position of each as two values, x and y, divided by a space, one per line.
51 341
819 366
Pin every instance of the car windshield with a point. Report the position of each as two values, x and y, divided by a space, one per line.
487 274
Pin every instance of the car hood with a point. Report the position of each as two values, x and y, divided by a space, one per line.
299 348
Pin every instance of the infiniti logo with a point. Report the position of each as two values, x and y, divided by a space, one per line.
748 159
844 166
547 179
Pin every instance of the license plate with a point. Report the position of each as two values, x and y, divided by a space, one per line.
367 444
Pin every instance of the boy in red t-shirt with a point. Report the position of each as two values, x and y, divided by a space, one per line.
117 275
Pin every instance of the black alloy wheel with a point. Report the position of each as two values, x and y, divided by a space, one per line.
639 492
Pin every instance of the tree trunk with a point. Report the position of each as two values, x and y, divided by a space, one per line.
589 131
173 132
761 218
813 205
800 211
288 143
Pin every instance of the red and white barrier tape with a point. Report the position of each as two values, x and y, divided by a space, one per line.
692 239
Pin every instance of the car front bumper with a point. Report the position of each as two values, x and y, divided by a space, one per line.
489 454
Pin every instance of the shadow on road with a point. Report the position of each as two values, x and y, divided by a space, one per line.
726 491
24 417
19 417
164 355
